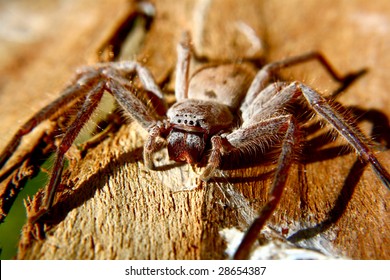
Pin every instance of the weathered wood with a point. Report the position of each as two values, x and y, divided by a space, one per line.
115 208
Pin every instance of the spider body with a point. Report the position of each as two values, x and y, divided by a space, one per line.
220 110
213 100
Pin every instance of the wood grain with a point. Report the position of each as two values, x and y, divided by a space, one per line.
113 207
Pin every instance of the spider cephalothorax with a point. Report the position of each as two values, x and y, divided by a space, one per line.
221 110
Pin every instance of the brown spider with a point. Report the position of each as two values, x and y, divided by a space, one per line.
222 110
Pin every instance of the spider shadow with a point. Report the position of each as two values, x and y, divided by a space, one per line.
380 133
339 207
71 199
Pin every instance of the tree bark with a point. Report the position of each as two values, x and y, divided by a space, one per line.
113 207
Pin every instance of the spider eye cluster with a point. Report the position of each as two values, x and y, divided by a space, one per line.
187 119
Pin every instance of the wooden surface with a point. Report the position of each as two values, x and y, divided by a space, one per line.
115 208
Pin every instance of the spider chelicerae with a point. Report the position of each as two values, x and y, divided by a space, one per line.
221 110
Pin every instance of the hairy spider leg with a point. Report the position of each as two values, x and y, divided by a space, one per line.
77 89
124 68
289 145
348 131
124 95
265 74
351 133
285 161
91 102
149 120
184 54
244 141
137 109
267 123
259 130
110 79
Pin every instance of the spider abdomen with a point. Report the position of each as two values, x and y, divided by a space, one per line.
225 84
